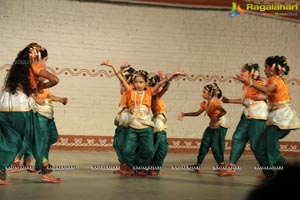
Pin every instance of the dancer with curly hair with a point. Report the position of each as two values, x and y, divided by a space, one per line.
17 119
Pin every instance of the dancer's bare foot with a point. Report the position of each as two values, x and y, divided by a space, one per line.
50 178
3 182
3 178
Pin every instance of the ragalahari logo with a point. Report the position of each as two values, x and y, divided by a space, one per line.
278 9
236 10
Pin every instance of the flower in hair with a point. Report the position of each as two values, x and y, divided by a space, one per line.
255 75
215 90
134 76
33 52
280 70
273 66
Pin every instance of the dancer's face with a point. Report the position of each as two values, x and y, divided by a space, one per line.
268 71
206 94
139 83
44 60
245 73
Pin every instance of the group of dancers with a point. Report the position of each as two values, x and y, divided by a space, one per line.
140 140
267 117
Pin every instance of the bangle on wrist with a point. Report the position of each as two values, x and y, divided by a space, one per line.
117 73
167 79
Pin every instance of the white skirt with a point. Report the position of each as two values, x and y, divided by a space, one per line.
284 118
159 122
255 109
18 102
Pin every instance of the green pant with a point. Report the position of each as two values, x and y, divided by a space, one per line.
138 147
118 144
247 130
14 127
47 125
161 148
53 135
267 150
213 138
25 151
49 131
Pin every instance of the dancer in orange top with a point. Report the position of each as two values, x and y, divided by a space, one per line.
159 112
138 146
253 119
17 120
214 134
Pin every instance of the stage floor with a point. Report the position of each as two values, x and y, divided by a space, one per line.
89 175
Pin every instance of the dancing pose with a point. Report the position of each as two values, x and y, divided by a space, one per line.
138 145
214 134
253 120
17 119
45 112
159 112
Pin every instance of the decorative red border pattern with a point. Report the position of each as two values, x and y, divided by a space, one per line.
176 145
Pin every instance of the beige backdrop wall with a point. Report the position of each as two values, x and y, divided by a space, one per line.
207 44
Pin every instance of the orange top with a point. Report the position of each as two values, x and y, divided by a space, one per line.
33 74
158 105
214 109
281 93
123 100
134 97
251 91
